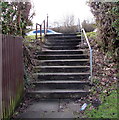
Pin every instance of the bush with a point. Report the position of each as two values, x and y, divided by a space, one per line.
91 35
107 19
89 27
64 29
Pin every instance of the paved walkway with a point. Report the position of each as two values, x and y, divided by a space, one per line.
50 108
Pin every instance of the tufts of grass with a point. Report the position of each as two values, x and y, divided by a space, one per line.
108 108
30 37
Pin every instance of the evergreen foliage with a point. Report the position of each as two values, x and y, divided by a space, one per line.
107 19
15 17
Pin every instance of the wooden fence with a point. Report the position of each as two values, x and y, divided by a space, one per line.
11 73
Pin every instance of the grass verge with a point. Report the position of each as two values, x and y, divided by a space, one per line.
108 108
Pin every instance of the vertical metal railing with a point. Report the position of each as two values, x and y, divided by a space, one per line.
40 25
83 33
47 23
44 25
44 28
84 36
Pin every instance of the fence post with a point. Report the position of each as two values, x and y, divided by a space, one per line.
0 76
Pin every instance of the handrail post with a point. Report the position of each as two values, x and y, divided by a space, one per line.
47 24
81 36
40 31
41 37
36 31
44 27
91 68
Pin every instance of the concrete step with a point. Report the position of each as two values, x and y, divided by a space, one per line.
61 82
52 41
65 37
63 62
58 52
48 85
54 35
69 93
61 76
61 47
61 69
62 44
62 56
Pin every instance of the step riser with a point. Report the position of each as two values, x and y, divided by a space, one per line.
61 77
62 35
51 70
61 48
63 44
62 41
60 52
61 86
60 57
57 63
55 43
58 96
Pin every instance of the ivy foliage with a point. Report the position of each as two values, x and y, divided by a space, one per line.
107 19
115 12
15 17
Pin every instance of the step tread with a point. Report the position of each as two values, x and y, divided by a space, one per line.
62 50
63 60
83 73
58 91
65 55
55 37
60 81
64 39
63 34
36 67
60 46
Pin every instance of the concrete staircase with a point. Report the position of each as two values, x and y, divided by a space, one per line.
62 69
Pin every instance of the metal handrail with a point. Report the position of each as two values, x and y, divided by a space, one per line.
40 29
37 30
45 25
91 56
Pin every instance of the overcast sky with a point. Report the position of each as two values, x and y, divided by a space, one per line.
57 9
